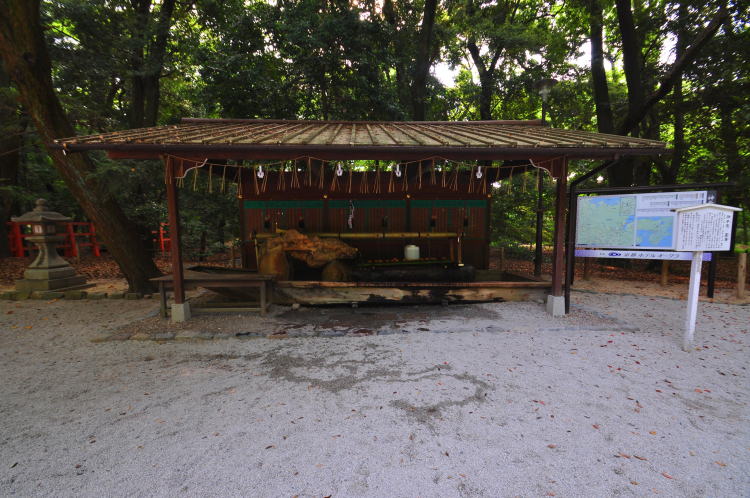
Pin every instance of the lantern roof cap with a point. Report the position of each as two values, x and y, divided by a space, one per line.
40 214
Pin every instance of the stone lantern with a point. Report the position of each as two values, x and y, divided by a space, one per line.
48 271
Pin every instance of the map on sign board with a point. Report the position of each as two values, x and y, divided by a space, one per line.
633 221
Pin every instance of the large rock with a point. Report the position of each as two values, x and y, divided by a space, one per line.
313 250
274 262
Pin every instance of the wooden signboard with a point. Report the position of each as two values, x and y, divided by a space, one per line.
701 228
707 227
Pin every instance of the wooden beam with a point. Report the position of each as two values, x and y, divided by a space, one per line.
558 252
174 230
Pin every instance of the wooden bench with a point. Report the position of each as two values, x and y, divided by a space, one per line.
217 281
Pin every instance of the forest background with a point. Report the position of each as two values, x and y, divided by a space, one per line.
673 71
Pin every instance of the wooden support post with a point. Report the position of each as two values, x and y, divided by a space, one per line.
664 280
587 264
692 303
174 231
538 249
558 263
711 283
741 274
502 259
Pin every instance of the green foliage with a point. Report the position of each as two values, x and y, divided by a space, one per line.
355 60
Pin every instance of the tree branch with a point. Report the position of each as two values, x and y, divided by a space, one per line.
635 116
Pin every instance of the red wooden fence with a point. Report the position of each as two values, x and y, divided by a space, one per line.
77 234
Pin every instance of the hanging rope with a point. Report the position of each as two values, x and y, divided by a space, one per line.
256 188
264 183
364 185
195 180
454 179
376 187
510 179
177 170
335 181
295 185
322 177
281 180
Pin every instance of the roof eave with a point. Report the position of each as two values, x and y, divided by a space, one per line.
344 152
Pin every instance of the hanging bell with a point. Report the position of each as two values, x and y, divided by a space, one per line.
479 172
398 170
261 173
339 169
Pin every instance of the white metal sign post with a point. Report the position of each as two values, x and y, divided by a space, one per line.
707 227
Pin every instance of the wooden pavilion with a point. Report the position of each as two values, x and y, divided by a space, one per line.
432 183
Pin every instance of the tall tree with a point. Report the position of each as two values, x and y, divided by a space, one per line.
23 50
604 119
499 37
151 32
423 61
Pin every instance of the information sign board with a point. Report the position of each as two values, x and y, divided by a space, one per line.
705 228
633 221
663 255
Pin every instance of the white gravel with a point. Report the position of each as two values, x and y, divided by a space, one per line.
498 400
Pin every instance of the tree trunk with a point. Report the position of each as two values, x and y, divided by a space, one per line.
11 140
631 57
669 173
157 53
423 61
137 106
24 53
148 63
604 120
622 175
486 79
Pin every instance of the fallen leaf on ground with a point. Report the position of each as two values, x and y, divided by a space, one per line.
653 433
634 483
720 464
623 455
552 446
595 426
667 475
640 458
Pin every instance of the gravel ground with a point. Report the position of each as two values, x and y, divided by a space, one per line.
484 400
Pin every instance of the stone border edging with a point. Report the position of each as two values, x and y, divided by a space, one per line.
72 295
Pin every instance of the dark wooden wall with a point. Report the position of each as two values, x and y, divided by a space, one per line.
326 210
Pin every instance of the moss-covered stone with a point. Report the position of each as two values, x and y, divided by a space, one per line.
10 295
75 294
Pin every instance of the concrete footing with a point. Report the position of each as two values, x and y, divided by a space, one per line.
556 305
180 312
